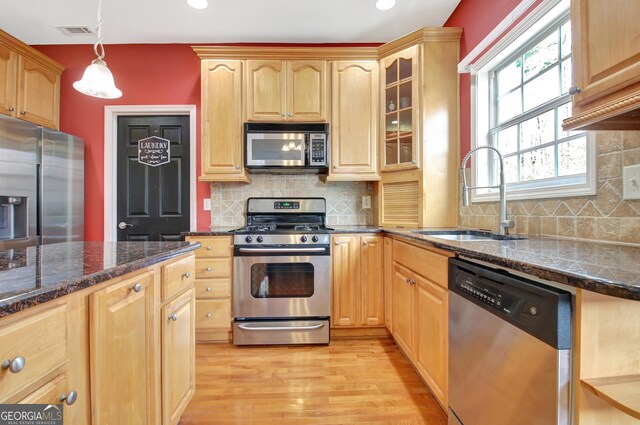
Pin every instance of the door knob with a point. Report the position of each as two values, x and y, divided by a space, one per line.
122 225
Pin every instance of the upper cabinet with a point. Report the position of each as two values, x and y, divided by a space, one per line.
354 121
399 112
606 65
29 83
286 90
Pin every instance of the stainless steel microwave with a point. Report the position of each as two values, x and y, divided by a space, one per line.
287 147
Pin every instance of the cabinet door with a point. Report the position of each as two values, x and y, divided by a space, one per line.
354 120
266 95
122 328
345 263
400 108
8 80
55 391
606 47
388 283
307 90
403 309
178 356
38 93
432 336
371 281
222 139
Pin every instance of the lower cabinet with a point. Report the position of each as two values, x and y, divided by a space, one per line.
388 283
55 391
403 309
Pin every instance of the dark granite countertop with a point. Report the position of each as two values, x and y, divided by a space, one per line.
606 268
356 229
32 276
211 231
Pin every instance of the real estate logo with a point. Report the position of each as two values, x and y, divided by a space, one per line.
31 414
154 151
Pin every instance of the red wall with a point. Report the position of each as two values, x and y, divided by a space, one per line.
147 75
478 18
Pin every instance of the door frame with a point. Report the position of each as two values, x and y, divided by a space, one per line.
111 114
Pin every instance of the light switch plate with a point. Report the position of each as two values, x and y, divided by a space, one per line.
206 204
366 202
631 182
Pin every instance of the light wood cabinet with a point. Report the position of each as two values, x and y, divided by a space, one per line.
122 355
606 65
354 121
358 290
29 83
222 118
388 283
286 90
178 356
56 391
403 309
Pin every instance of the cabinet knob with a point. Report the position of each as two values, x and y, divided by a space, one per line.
289 114
209 247
69 399
406 279
574 90
365 243
15 365
208 269
283 115
413 161
208 289
22 112
137 287
186 275
335 167
336 243
209 315
173 317
11 109
237 167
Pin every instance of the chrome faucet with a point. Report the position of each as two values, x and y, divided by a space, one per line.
505 223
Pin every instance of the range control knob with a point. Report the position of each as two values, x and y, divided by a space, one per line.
314 238
303 238
248 239
260 239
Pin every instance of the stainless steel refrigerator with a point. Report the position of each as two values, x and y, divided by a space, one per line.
41 185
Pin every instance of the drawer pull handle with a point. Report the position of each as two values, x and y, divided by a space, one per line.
69 399
208 269
209 247
137 287
208 289
209 315
173 317
186 275
15 365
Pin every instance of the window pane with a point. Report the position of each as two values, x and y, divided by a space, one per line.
565 39
391 152
508 140
542 89
572 157
405 68
542 56
566 76
406 126
392 99
392 72
405 96
538 164
391 125
537 130
511 169
509 77
509 106
564 111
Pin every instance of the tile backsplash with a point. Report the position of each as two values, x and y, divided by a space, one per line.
604 216
344 199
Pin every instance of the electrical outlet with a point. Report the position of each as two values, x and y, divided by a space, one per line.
366 202
207 204
631 182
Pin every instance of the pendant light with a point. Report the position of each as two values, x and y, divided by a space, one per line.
97 80
385 4
198 4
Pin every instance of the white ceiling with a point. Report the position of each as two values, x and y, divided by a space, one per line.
173 21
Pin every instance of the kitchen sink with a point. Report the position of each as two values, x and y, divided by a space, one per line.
467 235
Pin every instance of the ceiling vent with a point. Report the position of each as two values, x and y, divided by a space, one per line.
78 30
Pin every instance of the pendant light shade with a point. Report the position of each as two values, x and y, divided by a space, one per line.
198 4
385 4
97 80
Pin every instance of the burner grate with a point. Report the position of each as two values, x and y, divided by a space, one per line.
306 228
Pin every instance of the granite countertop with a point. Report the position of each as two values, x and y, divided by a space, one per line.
34 275
356 229
211 231
601 267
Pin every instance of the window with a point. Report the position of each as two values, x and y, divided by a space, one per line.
526 87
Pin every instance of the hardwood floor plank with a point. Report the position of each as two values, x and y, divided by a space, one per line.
361 381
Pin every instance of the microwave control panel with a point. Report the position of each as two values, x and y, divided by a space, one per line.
318 149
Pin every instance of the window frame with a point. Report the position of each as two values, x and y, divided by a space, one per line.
543 21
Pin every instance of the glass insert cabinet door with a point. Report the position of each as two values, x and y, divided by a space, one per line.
400 110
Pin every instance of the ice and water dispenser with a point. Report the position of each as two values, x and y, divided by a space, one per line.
14 217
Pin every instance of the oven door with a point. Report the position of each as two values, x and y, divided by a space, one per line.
282 286
276 149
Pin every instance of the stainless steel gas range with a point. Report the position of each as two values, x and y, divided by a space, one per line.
282 273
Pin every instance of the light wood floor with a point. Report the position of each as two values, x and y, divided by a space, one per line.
365 381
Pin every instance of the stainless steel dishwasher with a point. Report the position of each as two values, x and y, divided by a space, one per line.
509 349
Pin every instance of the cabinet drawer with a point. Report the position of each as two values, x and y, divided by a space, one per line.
213 314
49 393
214 267
41 340
429 263
213 246
213 288
177 276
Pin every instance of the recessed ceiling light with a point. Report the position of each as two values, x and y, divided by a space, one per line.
199 4
385 4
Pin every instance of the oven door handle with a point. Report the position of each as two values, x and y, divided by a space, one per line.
280 250
280 328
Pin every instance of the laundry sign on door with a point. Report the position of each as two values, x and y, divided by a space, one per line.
154 151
